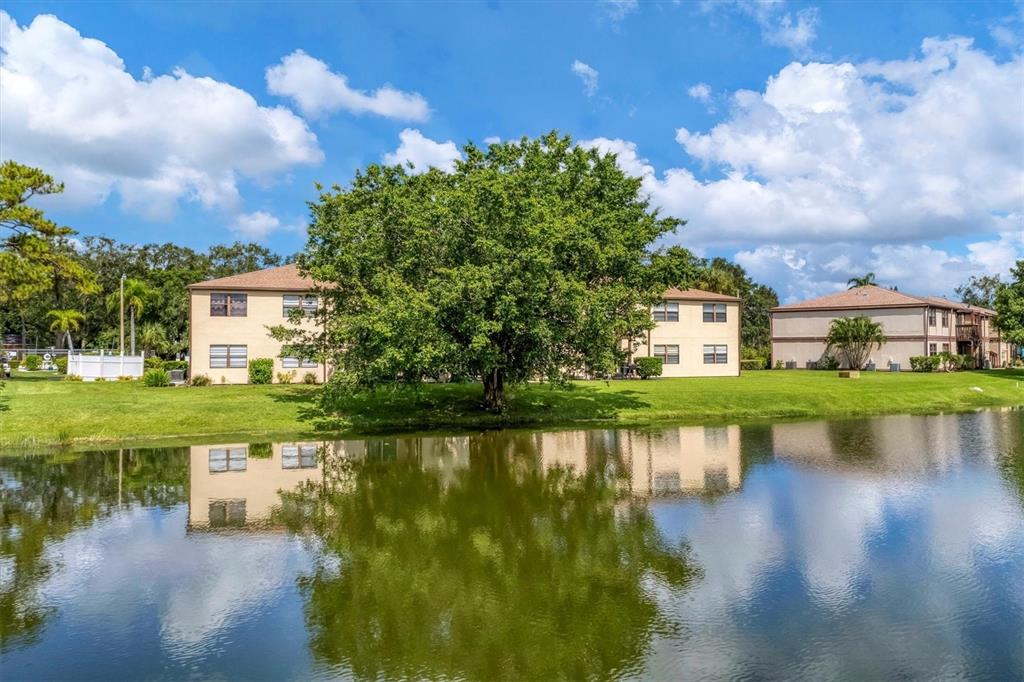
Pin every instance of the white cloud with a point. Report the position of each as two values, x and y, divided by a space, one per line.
493 139
69 106
700 92
318 91
256 225
894 152
588 75
617 10
778 27
423 153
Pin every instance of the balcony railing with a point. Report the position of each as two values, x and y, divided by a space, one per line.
967 332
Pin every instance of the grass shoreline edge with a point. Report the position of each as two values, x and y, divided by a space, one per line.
39 414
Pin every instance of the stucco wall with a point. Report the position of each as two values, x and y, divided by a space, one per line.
265 308
800 335
691 333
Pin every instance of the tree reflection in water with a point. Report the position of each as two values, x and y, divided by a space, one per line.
45 498
503 570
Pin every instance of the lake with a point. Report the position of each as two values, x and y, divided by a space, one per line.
860 549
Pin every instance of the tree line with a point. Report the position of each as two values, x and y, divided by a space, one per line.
53 285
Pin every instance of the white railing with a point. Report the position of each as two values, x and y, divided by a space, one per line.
104 366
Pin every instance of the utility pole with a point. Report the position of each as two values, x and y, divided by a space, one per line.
122 313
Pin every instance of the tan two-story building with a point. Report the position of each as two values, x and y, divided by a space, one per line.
229 320
696 334
913 326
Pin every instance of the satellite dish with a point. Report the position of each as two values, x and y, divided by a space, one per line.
47 357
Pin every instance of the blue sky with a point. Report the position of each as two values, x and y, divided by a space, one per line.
808 141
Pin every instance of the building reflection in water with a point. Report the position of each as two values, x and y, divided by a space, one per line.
237 485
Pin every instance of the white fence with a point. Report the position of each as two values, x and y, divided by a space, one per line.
103 366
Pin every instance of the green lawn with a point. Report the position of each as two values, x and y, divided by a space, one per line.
37 411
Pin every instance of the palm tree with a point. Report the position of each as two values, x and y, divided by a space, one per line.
866 280
152 338
854 337
64 322
137 295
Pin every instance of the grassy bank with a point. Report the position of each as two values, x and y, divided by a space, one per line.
37 411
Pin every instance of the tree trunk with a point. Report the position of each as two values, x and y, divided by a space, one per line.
70 347
131 316
494 390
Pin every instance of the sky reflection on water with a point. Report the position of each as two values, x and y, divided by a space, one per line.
855 549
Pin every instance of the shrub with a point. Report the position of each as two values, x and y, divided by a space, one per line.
755 358
72 377
199 380
261 371
153 363
925 363
15 363
175 364
62 364
309 378
98 380
779 364
286 377
155 378
648 367
33 362
126 377
828 362
751 364
261 450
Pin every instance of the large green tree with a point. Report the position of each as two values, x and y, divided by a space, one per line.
36 257
980 290
530 260
1009 306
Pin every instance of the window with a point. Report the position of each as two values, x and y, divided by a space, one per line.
666 312
931 317
292 363
945 348
228 459
669 354
932 349
308 304
945 318
298 457
228 305
716 355
714 312
227 513
228 356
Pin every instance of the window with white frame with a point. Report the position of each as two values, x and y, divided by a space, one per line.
669 354
931 317
666 312
716 355
307 304
294 363
222 356
229 305
932 349
945 318
714 312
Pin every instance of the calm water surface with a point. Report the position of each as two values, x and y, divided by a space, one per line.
883 548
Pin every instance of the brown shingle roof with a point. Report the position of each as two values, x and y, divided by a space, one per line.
874 297
284 278
938 300
674 294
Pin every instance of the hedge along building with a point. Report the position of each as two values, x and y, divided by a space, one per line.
696 334
229 320
913 326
